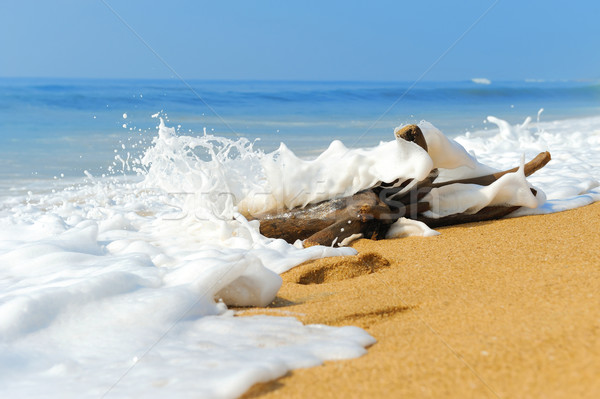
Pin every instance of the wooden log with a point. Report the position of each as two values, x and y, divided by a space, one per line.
487 213
336 233
423 187
413 134
301 223
530 167
491 212
372 211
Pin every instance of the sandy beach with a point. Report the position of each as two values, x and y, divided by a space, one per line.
501 309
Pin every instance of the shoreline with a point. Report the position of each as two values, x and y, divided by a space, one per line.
506 308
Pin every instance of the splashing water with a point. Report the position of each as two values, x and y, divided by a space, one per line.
95 274
569 180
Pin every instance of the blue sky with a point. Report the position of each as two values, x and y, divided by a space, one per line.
302 40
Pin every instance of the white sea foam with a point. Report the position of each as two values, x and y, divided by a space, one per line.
117 283
404 227
290 181
570 180
481 81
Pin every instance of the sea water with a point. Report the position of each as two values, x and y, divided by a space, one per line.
122 237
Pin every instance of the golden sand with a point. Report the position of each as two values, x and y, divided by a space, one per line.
508 309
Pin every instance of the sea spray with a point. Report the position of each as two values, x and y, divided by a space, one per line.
96 274
217 177
118 278
570 180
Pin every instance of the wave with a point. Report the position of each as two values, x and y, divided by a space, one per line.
481 81
94 95
110 268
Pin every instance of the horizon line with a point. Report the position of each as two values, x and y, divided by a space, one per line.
479 80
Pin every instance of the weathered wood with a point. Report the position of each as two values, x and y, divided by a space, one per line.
413 134
301 223
371 212
487 213
531 167
337 232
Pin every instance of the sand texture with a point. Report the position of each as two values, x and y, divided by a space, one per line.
507 309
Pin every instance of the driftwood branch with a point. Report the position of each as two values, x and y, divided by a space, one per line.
530 168
315 220
413 134
487 213
371 212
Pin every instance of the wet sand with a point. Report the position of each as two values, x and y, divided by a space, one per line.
507 308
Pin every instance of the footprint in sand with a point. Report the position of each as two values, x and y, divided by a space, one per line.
336 269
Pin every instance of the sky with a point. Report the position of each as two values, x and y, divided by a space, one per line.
301 40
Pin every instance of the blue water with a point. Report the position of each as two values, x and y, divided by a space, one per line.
50 127
109 272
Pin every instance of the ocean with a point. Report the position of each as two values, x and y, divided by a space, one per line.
51 127
123 241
